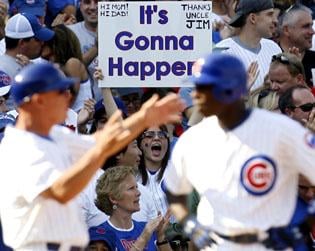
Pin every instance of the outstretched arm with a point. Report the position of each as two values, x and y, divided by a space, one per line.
112 138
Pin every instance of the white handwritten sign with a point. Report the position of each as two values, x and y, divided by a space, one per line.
151 44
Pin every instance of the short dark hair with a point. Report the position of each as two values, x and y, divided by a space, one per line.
12 43
286 99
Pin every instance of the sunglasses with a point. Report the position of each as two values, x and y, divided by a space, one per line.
153 134
306 107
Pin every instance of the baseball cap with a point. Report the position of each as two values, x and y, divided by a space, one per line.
127 91
5 119
217 68
5 81
38 78
245 7
34 7
24 25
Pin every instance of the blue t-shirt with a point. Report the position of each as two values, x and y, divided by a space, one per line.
121 239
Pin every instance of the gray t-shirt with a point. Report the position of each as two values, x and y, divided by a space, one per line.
87 40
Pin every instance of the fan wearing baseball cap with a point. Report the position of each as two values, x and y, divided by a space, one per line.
257 22
24 37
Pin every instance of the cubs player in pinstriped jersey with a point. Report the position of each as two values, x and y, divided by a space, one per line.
45 165
244 163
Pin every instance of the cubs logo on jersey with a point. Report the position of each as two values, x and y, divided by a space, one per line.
258 175
310 139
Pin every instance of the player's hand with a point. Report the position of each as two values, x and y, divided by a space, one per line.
163 111
199 234
109 138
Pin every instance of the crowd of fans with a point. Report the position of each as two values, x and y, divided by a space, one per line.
274 40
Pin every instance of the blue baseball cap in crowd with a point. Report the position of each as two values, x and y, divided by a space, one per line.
25 25
38 78
34 7
5 120
5 83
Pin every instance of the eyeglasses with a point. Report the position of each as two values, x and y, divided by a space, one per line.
284 60
306 107
153 134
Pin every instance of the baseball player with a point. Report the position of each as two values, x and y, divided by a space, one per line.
44 165
244 163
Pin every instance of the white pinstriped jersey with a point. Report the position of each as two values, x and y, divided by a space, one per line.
29 165
263 56
248 175
157 195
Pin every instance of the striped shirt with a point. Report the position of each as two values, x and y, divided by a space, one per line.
262 55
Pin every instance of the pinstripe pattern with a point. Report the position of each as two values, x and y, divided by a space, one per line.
157 194
26 217
211 160
263 57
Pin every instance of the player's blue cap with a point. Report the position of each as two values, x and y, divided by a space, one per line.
5 119
38 78
226 73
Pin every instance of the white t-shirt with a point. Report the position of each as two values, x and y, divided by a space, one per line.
29 165
248 175
87 40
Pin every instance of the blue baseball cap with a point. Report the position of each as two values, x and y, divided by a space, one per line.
5 120
24 25
34 7
38 78
219 69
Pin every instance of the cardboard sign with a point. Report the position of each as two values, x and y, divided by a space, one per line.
151 44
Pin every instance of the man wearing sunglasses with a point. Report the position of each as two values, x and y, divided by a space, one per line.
298 103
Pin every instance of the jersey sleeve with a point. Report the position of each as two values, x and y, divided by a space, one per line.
176 179
298 147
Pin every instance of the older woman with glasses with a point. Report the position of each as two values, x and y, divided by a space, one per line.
118 196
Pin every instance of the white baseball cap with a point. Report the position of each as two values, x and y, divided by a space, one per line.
25 25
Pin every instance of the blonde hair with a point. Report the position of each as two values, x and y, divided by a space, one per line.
264 98
109 186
